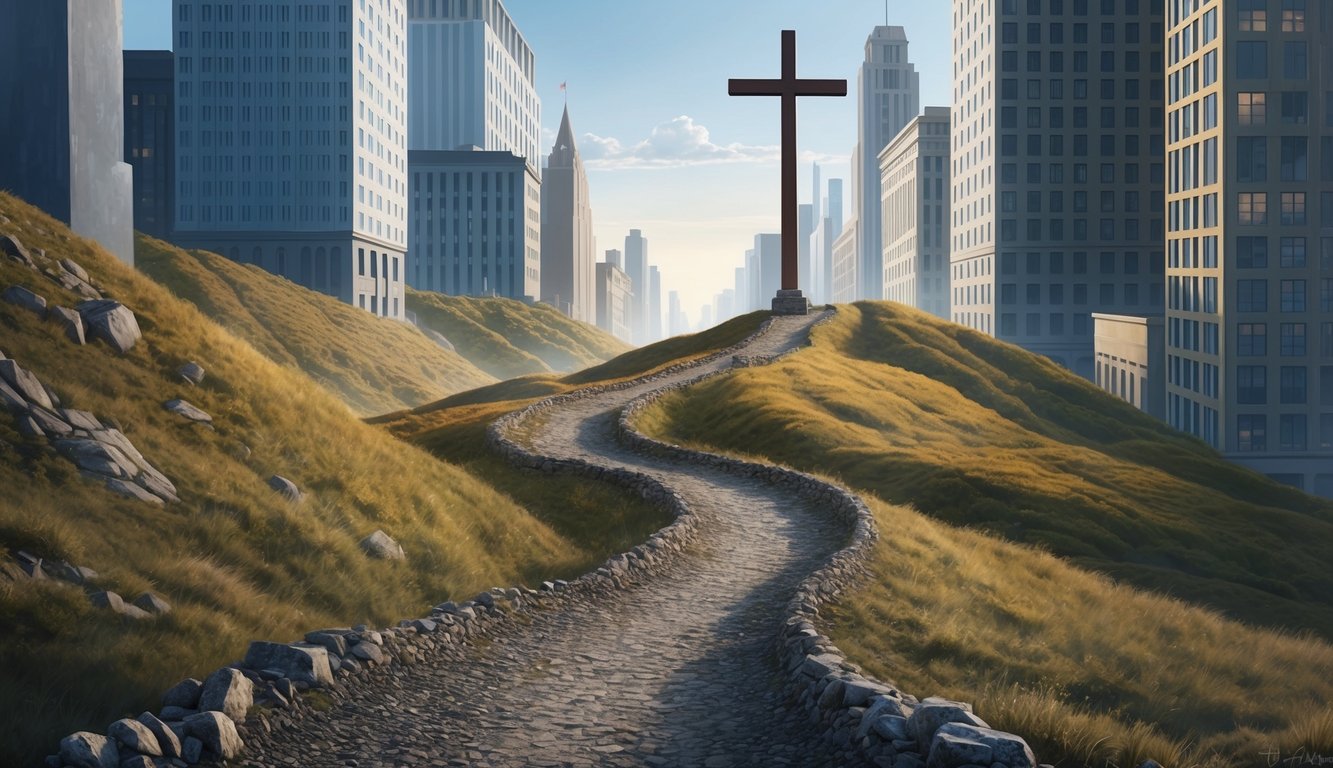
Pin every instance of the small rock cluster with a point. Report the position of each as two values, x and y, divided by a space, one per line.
26 566
101 452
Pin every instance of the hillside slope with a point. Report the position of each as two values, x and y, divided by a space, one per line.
981 435
508 338
237 560
374 365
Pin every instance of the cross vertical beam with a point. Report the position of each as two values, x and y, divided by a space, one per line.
788 88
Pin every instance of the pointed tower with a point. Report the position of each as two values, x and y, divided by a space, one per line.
569 260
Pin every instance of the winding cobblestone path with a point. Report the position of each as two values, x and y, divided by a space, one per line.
677 670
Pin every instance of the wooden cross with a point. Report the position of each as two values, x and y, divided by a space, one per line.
789 87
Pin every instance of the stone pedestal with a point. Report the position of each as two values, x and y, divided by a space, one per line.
791 303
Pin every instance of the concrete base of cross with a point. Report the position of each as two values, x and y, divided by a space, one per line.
791 303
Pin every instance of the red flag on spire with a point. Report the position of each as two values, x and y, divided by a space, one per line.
562 86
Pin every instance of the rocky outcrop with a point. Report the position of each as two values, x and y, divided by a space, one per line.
381 547
25 299
13 248
72 322
112 322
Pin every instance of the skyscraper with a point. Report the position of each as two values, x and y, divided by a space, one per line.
613 299
150 137
471 85
654 304
767 277
828 227
1057 169
805 227
888 96
914 171
568 251
62 135
1249 315
636 266
291 141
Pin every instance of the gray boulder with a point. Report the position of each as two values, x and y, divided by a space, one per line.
934 712
331 639
11 247
188 411
71 266
89 750
98 457
301 662
368 652
380 546
11 398
81 420
134 735
50 424
1005 748
216 732
25 299
25 384
72 321
138 761
192 372
229 692
191 749
114 603
152 603
184 694
167 740
111 322
950 751
77 574
130 490
285 487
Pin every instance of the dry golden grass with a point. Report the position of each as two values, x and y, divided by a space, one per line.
1038 463
375 365
508 338
236 560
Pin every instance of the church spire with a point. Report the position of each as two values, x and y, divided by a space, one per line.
564 152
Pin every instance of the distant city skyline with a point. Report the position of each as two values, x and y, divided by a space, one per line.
667 151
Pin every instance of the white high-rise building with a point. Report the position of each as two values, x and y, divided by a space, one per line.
291 141
471 80
1057 171
1249 315
827 229
636 266
888 92
471 85
914 183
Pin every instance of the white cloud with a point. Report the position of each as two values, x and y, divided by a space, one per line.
676 143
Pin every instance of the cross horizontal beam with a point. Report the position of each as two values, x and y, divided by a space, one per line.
805 87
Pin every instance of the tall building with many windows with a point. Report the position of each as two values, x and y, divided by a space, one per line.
636 266
827 229
291 141
62 132
1250 233
568 251
475 224
471 84
914 185
150 137
1058 169
888 91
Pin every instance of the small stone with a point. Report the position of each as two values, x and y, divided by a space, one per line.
368 652
167 741
950 751
192 372
332 640
184 694
191 749
138 761
136 736
81 419
229 692
380 546
71 266
188 411
217 733
126 488
285 487
152 603
89 750
107 599
1006 749
111 322
72 321
935 712
25 299
25 384
50 424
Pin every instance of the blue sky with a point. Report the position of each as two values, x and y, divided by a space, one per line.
668 151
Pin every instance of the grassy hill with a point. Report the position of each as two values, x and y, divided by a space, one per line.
374 365
1032 491
237 560
508 338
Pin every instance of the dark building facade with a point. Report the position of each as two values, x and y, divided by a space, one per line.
150 140
62 131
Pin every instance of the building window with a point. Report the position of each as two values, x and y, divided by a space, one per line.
1294 380
1252 252
1252 208
1252 339
1295 158
1252 108
1293 295
1295 59
1293 339
1252 295
1251 433
1253 15
1252 60
1251 159
1291 432
1293 209
1293 252
1293 15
